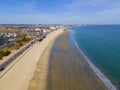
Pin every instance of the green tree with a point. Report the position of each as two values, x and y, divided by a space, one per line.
6 53
20 44
1 54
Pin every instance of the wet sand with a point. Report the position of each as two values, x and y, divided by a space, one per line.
68 70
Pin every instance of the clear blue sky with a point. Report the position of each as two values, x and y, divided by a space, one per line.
60 11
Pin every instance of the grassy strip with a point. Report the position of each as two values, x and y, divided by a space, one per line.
4 53
16 46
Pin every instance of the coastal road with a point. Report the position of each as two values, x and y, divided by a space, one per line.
11 59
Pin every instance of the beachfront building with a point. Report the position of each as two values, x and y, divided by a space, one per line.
13 35
8 35
48 30
3 40
52 28
34 32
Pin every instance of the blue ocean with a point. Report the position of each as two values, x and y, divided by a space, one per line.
101 45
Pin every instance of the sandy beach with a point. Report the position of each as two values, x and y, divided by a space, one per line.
61 69
19 76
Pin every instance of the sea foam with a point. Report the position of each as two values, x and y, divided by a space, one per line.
101 76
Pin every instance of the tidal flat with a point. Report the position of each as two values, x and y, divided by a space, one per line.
68 70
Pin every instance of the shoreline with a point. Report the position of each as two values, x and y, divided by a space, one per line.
100 75
23 70
67 70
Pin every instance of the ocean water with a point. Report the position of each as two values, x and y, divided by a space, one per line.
101 45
